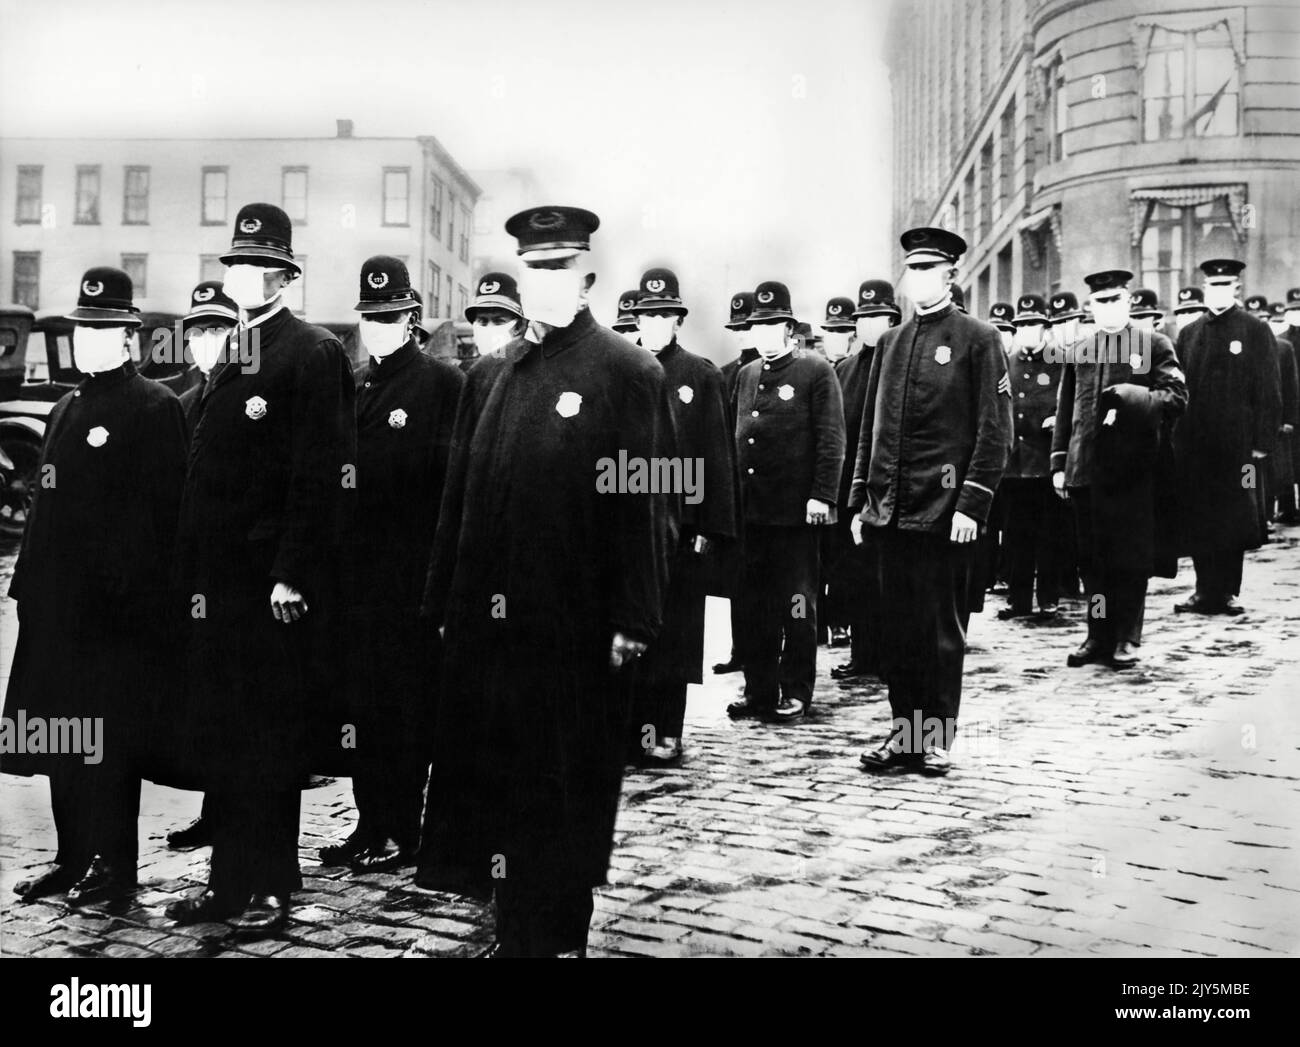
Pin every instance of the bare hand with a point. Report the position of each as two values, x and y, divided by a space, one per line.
287 603
855 529
623 650
1049 423
1259 454
817 512
1058 485
964 529
1287 429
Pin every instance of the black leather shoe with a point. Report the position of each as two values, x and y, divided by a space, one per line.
1196 604
887 759
1089 651
667 754
849 671
743 708
935 762
1232 607
55 880
1051 610
1125 656
264 914
342 853
1013 612
197 834
204 907
102 882
838 638
731 665
383 857
787 711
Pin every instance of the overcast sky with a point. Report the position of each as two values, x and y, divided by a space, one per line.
734 142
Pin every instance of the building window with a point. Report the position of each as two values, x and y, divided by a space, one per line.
295 295
464 234
293 193
986 189
1007 144
214 195
451 224
28 211
1190 84
970 206
449 294
397 195
27 279
1180 231
135 196
462 299
435 208
1005 262
136 266
1057 110
211 267
87 208
432 293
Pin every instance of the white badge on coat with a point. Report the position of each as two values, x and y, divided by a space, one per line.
568 404
97 437
255 407
1234 347
942 355
686 394
1044 379
397 419
1135 361
785 392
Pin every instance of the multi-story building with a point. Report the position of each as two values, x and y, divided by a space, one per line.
505 192
1064 136
163 208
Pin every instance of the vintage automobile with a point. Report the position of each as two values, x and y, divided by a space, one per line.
37 369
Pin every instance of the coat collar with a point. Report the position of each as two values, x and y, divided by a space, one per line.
561 338
781 363
105 380
380 370
936 315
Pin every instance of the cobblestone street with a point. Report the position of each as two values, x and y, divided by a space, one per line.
1152 812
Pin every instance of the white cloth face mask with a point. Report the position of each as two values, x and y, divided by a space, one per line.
769 340
98 349
836 344
870 328
551 296
381 339
491 337
1278 327
656 331
926 286
1219 297
206 347
1027 336
1111 316
246 285
744 340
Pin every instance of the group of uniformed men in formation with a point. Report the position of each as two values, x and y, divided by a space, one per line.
437 582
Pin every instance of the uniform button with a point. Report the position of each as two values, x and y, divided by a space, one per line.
76 392
751 439
767 367
753 414
762 387
368 386
1022 396
751 472
1021 414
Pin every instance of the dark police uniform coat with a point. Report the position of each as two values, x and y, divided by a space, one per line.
1128 465
728 562
789 438
703 432
854 373
406 407
1234 407
953 374
1283 458
1035 380
92 581
265 502
533 571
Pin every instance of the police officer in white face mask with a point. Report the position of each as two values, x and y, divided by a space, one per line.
1144 310
495 314
1000 314
625 322
94 604
1063 316
790 450
206 329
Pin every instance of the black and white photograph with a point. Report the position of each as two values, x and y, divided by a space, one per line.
657 479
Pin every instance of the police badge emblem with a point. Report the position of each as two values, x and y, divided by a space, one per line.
255 408
655 286
766 297
568 404
942 355
377 280
1044 379
785 392
97 437
397 419
489 287
686 394
204 294
250 225
1234 347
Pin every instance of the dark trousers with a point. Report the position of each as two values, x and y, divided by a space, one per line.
1218 575
535 920
96 812
658 710
1034 536
865 616
1115 599
779 649
925 583
388 789
254 842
